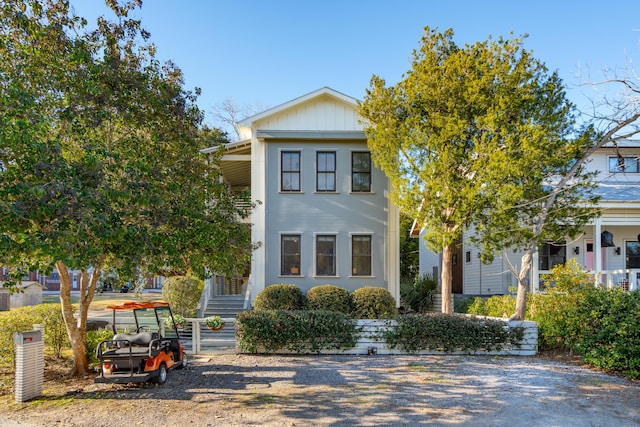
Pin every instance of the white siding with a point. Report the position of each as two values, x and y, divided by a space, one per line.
324 113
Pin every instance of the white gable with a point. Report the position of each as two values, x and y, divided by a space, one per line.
322 110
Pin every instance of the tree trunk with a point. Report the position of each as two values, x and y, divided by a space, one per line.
77 327
446 278
523 286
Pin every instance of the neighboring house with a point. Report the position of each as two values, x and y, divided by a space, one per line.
29 294
323 216
609 247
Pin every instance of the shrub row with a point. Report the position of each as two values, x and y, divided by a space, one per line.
363 303
451 333
311 331
296 331
602 325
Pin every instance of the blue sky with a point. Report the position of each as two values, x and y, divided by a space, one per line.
271 51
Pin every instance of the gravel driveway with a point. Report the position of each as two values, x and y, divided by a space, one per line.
241 390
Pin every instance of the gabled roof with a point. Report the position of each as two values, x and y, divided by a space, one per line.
325 91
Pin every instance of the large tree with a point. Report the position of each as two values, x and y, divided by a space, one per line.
99 160
469 133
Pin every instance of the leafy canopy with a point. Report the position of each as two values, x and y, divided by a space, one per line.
99 160
473 135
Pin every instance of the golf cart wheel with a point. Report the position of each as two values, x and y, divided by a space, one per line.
184 362
162 375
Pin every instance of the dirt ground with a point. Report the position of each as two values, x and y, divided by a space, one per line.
244 390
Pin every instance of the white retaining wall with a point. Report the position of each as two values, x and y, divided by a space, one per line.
370 341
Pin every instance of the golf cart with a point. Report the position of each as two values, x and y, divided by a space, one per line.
145 354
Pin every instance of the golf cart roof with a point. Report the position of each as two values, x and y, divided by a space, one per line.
133 305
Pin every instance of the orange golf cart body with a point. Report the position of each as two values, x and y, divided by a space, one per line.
146 354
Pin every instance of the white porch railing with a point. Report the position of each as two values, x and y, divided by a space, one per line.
628 280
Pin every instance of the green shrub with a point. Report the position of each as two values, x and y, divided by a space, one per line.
295 331
93 339
183 293
329 298
22 319
373 303
451 333
280 297
495 306
609 337
418 294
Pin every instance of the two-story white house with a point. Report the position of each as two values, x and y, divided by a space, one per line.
322 213
609 246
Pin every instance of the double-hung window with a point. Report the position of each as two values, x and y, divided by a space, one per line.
552 254
325 255
290 171
361 172
361 255
290 255
623 165
326 171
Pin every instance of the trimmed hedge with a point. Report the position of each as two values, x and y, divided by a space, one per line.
297 331
280 297
451 333
329 298
373 303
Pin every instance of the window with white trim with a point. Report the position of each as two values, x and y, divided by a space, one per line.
290 170
326 171
361 255
361 172
325 255
290 255
552 254
623 164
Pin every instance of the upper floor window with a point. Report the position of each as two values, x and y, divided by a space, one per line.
361 172
326 171
325 255
623 164
361 255
290 171
290 255
552 254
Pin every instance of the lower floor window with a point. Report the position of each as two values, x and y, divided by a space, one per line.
290 256
325 255
361 255
632 250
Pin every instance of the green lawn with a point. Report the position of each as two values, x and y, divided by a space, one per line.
101 301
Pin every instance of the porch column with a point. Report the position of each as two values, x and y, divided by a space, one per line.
597 249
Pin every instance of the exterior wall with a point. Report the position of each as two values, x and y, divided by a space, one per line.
326 120
430 262
309 213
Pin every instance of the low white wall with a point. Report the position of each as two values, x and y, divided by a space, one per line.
370 340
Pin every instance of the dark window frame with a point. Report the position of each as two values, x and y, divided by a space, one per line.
323 174
552 254
326 259
290 260
363 259
360 176
287 169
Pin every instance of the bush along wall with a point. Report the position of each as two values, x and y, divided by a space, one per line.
279 331
284 332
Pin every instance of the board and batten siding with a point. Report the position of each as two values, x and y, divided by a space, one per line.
318 114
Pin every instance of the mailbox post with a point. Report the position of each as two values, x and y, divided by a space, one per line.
29 365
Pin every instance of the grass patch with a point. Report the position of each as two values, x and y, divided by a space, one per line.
101 301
